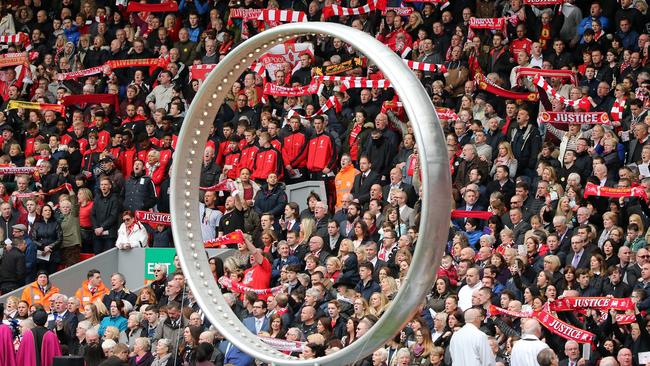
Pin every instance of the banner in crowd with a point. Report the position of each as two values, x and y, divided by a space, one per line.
592 189
9 169
462 214
486 84
16 58
495 310
487 23
153 256
246 15
337 10
582 103
82 99
16 104
167 7
61 188
395 107
543 2
72 75
284 91
599 303
234 237
446 114
240 288
338 78
379 84
583 118
154 218
274 16
224 185
423 66
18 38
283 345
532 72
564 330
399 11
276 58
342 67
200 72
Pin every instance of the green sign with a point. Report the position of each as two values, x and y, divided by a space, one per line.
153 256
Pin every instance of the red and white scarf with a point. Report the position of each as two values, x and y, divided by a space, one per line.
334 9
582 103
617 109
274 16
423 66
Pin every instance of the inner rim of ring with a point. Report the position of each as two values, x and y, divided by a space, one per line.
231 326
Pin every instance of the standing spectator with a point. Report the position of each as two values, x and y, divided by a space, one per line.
104 216
469 345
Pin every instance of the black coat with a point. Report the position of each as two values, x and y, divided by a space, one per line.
105 213
12 269
272 201
139 193
48 233
362 191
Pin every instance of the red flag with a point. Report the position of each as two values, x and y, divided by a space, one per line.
461 214
596 190
235 237
224 185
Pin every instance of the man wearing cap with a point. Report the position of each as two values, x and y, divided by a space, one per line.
19 232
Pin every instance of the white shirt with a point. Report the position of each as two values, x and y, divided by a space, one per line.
525 350
465 295
470 346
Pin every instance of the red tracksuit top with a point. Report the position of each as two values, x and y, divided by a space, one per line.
294 149
232 158
247 159
321 153
268 160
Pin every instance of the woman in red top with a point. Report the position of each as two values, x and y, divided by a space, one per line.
85 199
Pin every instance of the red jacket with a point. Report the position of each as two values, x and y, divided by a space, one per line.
103 139
321 153
268 160
232 158
222 150
247 159
126 159
294 150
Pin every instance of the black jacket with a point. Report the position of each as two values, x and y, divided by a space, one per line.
139 193
48 233
105 213
12 269
272 201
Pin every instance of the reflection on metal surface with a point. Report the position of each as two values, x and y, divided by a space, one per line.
436 203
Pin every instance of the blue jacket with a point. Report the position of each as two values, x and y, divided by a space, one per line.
278 263
272 201
30 256
585 24
119 321
235 356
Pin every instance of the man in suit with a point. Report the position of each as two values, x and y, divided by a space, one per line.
470 196
519 226
363 181
371 256
636 145
258 322
317 249
334 237
63 322
578 257
405 212
235 356
396 184
563 233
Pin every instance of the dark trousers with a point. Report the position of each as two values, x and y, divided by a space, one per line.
102 244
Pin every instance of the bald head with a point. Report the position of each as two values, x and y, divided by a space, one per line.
531 326
473 316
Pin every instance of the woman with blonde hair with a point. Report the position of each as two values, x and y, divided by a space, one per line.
307 229
360 307
378 304
505 157
423 345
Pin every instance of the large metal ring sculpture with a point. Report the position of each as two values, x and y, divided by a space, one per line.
186 171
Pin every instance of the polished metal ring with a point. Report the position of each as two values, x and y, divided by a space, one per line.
186 170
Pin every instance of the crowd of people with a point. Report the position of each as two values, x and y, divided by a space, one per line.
550 214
